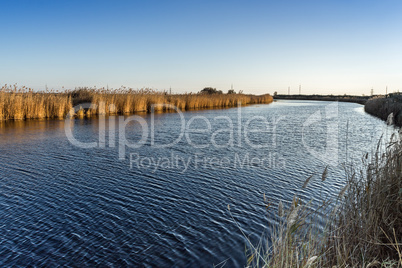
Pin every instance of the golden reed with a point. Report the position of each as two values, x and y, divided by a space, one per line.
23 103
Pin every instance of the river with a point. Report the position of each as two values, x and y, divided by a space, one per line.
153 189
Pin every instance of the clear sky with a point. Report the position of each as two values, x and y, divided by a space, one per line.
258 46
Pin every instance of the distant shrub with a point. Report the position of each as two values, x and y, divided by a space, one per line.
211 90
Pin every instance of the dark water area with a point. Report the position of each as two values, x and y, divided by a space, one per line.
162 200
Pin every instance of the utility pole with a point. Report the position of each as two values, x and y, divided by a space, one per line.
372 91
386 91
170 91
299 89
288 90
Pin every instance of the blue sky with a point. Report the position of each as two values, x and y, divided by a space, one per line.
258 46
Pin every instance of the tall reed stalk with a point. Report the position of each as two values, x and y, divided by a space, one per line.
363 225
23 103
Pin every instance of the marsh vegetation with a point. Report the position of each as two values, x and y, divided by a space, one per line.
384 106
363 226
24 103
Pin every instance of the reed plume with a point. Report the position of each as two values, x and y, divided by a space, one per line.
363 223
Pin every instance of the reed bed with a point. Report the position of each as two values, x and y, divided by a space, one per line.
130 101
363 224
368 228
23 103
384 106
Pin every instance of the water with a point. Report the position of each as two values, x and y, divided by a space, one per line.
65 205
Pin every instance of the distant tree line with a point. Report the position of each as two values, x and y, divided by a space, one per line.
211 90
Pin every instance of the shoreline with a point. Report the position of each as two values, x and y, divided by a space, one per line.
342 98
388 108
19 104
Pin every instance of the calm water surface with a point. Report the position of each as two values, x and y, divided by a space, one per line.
70 206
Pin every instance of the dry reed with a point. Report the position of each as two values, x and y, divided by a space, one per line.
369 227
130 101
363 225
23 103
384 106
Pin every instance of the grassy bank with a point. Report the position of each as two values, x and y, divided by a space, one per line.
384 106
24 103
342 98
363 225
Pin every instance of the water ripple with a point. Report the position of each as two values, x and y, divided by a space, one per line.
65 206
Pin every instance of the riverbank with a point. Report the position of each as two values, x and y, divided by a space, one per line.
383 106
24 103
380 106
342 98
